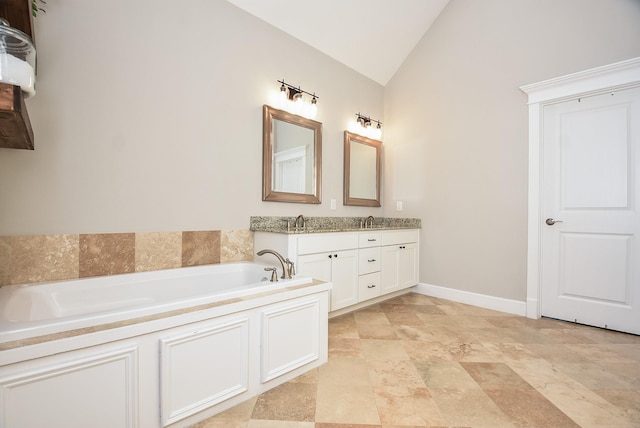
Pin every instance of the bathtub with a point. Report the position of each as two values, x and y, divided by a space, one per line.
33 310
147 338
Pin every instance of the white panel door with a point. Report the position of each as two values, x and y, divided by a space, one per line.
590 251
290 337
202 366
94 388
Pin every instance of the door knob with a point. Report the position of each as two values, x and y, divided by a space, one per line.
551 221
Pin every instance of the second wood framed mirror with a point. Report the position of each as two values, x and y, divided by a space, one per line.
362 170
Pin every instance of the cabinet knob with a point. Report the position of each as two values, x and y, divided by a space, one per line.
330 256
371 260
335 255
371 286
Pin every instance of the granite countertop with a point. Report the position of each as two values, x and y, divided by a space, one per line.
330 224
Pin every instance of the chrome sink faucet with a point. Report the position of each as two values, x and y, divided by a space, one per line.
288 268
300 223
369 222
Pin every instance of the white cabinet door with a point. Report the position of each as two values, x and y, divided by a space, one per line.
338 267
408 265
344 275
390 268
399 267
316 266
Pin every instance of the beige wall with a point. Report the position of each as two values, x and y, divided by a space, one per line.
148 118
456 134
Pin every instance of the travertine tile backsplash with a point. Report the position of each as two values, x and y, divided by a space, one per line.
200 248
158 250
107 254
41 258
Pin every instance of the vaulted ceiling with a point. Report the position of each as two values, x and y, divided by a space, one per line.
373 37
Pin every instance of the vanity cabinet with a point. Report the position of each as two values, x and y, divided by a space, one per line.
361 265
399 260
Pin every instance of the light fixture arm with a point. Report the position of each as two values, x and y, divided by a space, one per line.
366 121
293 90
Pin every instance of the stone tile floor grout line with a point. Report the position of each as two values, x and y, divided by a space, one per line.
419 361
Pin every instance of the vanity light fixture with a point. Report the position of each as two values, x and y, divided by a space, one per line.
366 129
293 101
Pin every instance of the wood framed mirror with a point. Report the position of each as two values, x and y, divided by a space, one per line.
362 170
291 157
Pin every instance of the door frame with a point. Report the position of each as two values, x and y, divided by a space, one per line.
617 76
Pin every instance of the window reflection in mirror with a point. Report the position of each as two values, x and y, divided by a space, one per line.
292 157
362 170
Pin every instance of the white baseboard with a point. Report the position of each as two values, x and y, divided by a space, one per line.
482 300
533 310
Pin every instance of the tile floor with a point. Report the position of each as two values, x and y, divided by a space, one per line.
418 361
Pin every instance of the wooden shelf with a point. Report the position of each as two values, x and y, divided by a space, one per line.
18 13
15 127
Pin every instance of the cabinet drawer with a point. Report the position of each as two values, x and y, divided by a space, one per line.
369 239
393 237
368 260
368 286
321 243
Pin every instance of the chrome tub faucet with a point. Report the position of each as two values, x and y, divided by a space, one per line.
288 269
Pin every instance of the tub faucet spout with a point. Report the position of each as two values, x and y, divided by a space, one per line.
286 267
291 266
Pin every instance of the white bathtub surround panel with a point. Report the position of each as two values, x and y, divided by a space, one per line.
197 380
89 388
190 375
289 338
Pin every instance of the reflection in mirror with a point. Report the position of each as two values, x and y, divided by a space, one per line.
291 157
362 170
